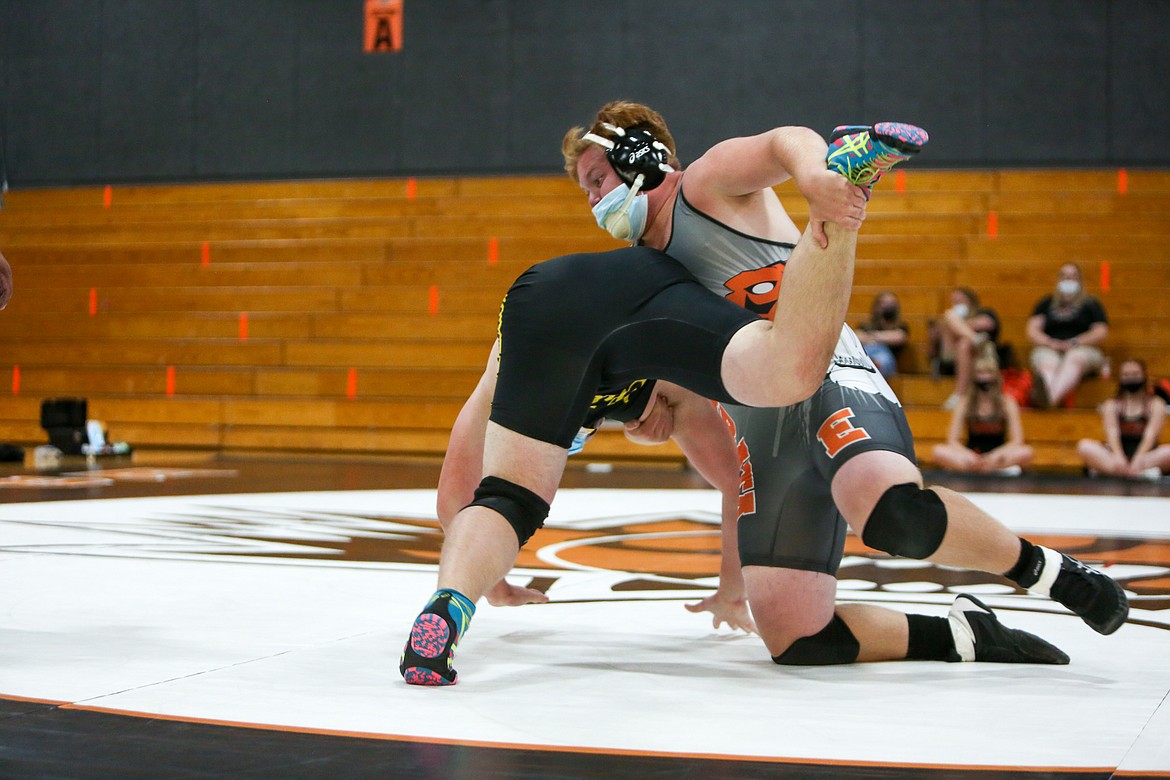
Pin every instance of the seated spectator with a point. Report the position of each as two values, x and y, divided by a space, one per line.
963 302
1133 422
1067 329
885 333
991 419
962 333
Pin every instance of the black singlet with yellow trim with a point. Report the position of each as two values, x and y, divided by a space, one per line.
579 333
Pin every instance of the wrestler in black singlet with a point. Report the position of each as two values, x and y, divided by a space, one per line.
609 320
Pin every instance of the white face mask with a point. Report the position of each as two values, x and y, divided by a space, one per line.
622 213
1068 287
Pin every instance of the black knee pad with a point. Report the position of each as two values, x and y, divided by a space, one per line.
833 644
522 508
907 521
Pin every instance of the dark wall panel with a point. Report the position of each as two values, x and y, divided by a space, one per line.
691 77
1139 76
148 81
455 97
5 43
559 77
1046 85
54 82
126 90
348 104
798 65
928 68
246 82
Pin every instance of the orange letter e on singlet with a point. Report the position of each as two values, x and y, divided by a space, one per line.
747 480
837 432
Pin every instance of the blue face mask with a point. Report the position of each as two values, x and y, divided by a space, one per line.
622 213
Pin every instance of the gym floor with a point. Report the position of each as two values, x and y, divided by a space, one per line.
192 616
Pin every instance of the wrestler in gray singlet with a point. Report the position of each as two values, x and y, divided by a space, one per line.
789 455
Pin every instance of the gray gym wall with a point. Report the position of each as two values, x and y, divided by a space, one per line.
101 91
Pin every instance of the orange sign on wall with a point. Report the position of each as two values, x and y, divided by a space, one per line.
383 25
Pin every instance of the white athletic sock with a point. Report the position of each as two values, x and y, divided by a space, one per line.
1052 562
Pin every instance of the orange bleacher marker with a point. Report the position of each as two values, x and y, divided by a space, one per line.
411 188
1122 181
351 384
93 301
493 250
992 224
107 196
170 380
243 326
16 379
899 181
433 300
205 254
1106 272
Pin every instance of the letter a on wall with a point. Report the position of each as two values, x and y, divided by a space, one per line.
383 25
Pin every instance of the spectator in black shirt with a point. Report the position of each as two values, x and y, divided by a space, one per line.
1066 329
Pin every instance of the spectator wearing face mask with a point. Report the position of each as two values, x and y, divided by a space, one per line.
991 419
1133 422
885 333
964 332
1066 329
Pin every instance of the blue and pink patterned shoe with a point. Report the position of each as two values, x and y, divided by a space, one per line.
427 657
862 153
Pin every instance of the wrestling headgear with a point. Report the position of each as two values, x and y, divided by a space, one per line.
639 160
635 153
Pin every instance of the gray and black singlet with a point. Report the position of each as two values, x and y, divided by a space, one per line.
787 515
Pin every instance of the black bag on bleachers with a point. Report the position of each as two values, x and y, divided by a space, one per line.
64 420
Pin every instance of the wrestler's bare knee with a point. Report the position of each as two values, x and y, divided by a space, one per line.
788 604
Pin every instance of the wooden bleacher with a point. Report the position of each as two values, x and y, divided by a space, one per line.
355 316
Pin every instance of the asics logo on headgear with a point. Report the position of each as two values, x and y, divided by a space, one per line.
638 158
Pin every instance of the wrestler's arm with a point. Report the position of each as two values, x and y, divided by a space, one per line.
744 166
463 463
702 435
